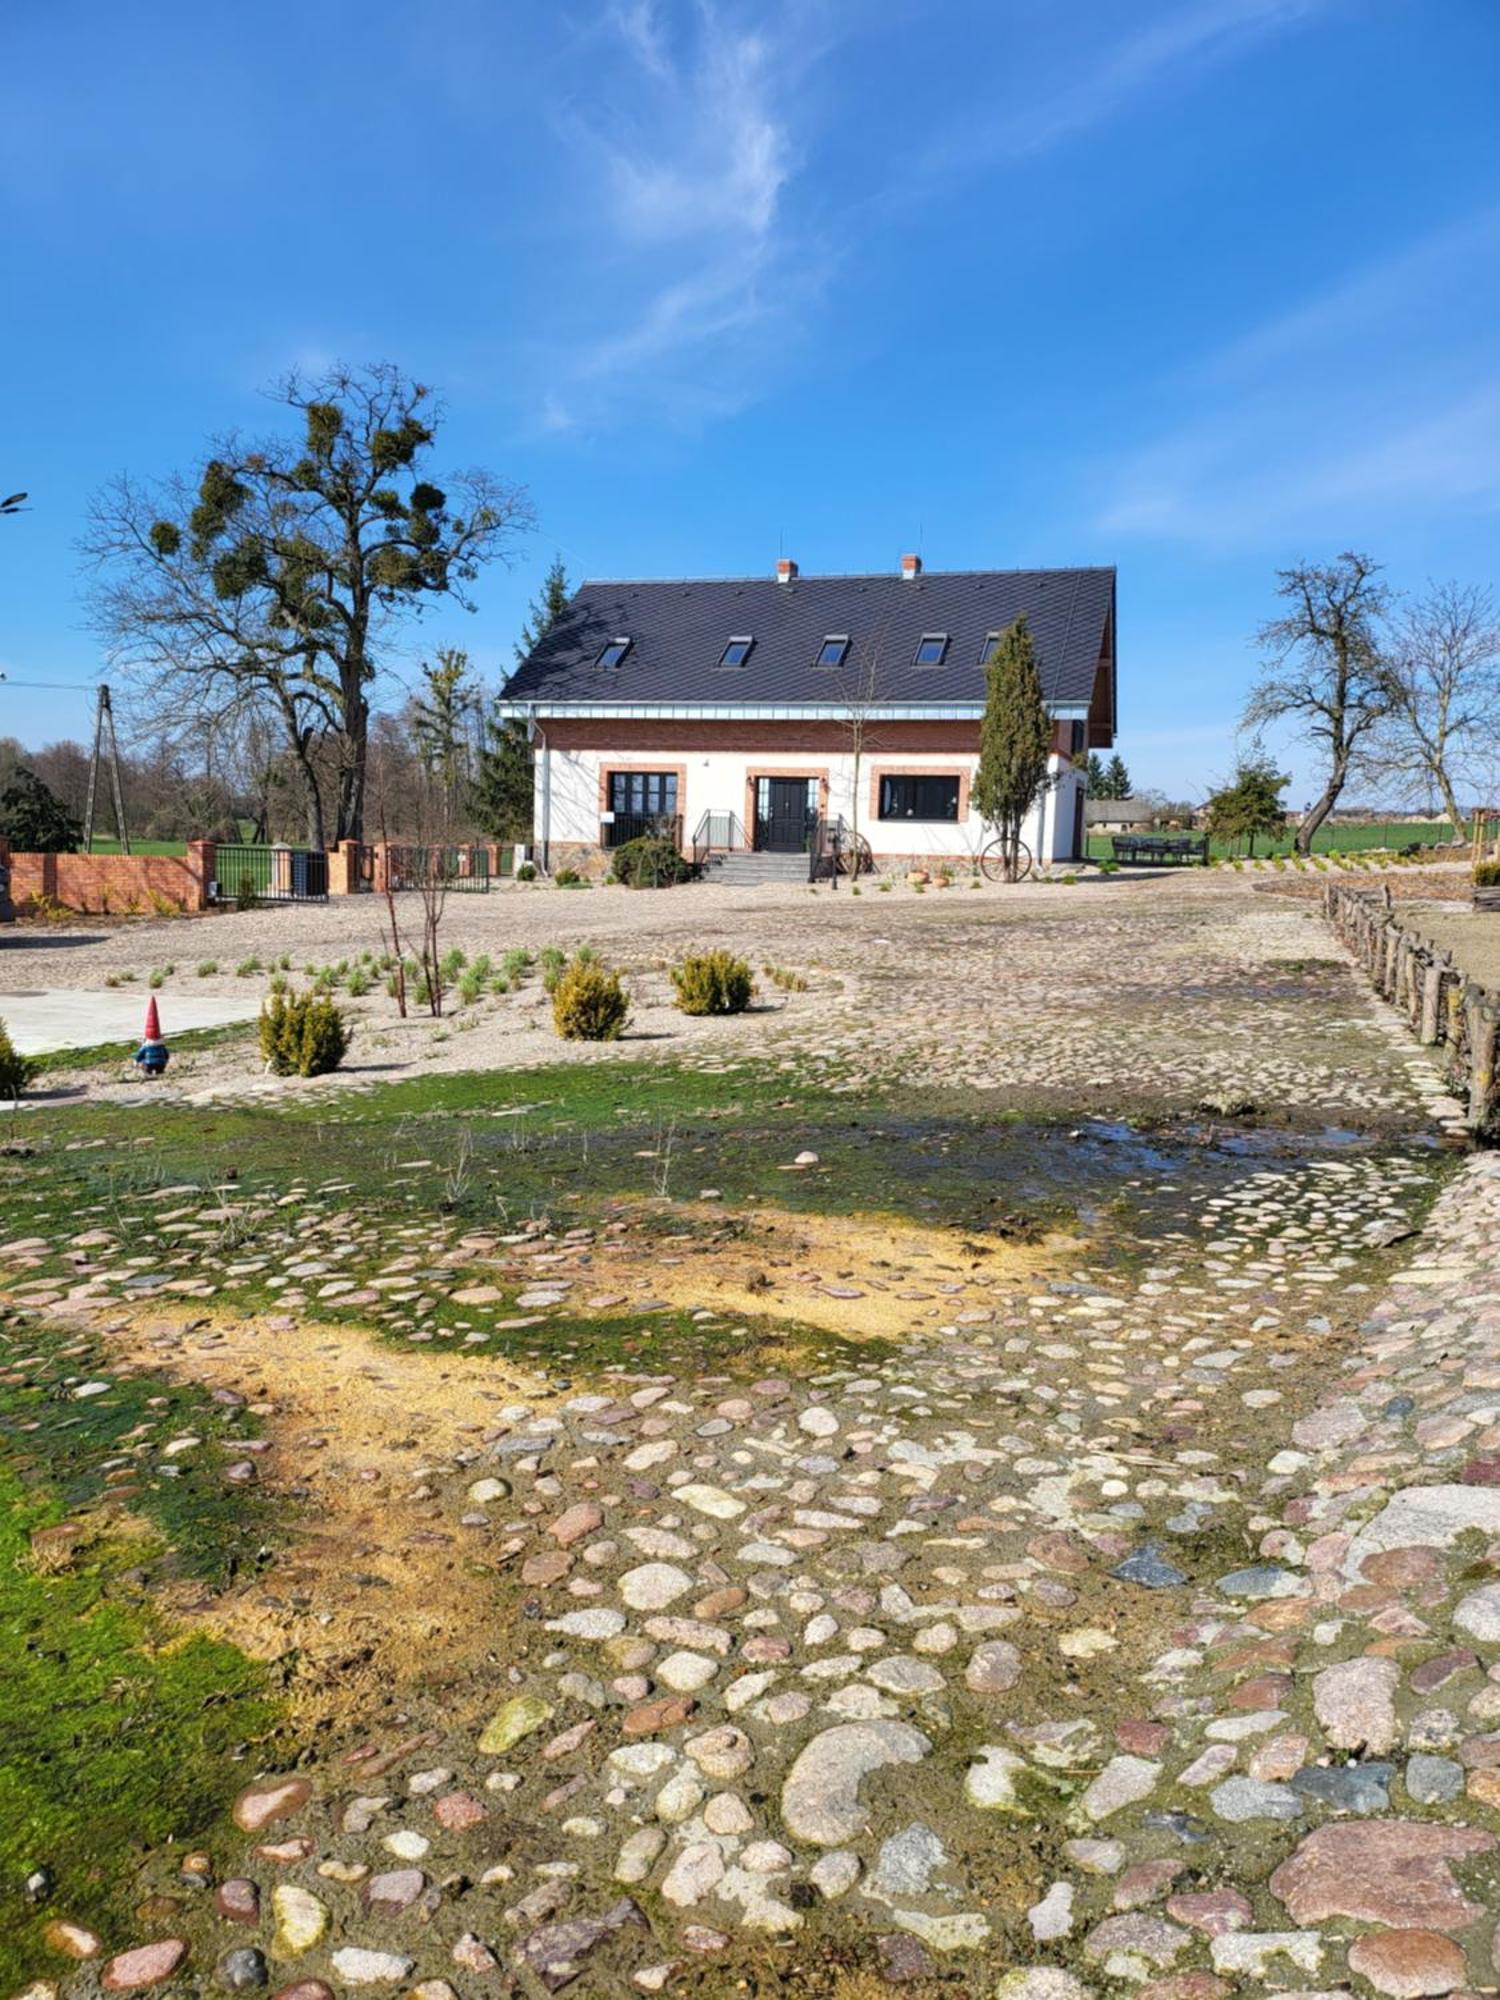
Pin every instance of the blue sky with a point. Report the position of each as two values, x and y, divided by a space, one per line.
1197 287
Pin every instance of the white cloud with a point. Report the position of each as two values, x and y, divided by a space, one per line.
705 154
1378 394
698 272
1187 38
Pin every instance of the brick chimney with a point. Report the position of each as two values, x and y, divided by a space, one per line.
911 566
786 570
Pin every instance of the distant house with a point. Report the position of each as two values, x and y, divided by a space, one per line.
1134 815
747 715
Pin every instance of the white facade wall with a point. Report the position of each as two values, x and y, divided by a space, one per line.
571 788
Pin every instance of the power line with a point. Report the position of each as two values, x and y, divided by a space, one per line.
56 687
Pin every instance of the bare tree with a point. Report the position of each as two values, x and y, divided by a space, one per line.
1442 673
1324 670
285 561
860 692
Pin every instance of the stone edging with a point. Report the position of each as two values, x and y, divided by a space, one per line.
1445 1008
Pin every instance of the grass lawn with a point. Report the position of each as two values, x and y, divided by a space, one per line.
1328 839
102 846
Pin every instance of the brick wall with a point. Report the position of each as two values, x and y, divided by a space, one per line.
113 884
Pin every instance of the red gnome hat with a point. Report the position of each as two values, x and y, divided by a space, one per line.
153 1025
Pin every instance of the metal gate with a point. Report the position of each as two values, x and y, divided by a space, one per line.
250 875
460 870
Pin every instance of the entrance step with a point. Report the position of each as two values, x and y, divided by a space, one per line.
745 871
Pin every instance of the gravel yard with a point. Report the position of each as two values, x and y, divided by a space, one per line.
1056 993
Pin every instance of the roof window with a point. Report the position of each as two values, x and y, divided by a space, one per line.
833 651
737 651
931 648
614 651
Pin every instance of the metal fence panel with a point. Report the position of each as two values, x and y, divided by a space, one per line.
249 875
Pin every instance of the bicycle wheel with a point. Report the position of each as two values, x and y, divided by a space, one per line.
1023 862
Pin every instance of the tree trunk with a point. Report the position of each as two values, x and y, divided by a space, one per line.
312 795
354 771
1316 814
1450 803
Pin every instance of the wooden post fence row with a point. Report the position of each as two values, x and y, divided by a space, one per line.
1444 1006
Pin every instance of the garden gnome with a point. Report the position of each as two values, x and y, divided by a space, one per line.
153 1055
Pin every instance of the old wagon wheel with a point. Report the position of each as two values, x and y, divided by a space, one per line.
995 861
855 856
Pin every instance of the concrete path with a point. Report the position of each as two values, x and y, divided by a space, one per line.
54 1018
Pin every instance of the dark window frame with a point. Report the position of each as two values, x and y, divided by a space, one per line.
938 639
918 787
622 641
643 794
839 639
746 640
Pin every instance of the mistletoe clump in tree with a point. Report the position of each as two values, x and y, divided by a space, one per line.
1015 741
266 583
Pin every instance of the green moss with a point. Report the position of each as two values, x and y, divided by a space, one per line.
81 1453
116 1739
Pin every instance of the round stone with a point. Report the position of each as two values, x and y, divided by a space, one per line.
1479 1613
994 1668
653 1586
820 1801
147 1965
242 1969
1407 1965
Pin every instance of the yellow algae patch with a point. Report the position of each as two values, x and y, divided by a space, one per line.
863 1277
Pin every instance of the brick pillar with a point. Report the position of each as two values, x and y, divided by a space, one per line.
202 861
343 869
381 872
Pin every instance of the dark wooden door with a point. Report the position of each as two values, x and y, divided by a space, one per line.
785 814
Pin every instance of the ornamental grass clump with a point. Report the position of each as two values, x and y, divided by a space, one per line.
302 1034
1487 875
713 982
590 1005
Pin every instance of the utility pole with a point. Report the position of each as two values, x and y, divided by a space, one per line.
104 716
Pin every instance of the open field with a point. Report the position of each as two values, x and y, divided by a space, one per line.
900 1486
1389 835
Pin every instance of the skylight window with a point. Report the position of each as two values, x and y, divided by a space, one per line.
737 651
987 650
833 651
614 651
931 648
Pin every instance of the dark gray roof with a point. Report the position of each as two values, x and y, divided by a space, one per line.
678 632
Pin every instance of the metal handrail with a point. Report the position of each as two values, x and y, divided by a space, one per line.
717 831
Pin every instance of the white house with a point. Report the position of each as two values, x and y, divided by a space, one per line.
749 716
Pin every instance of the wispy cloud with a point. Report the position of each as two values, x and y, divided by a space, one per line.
697 259
706 154
1166 48
1376 394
